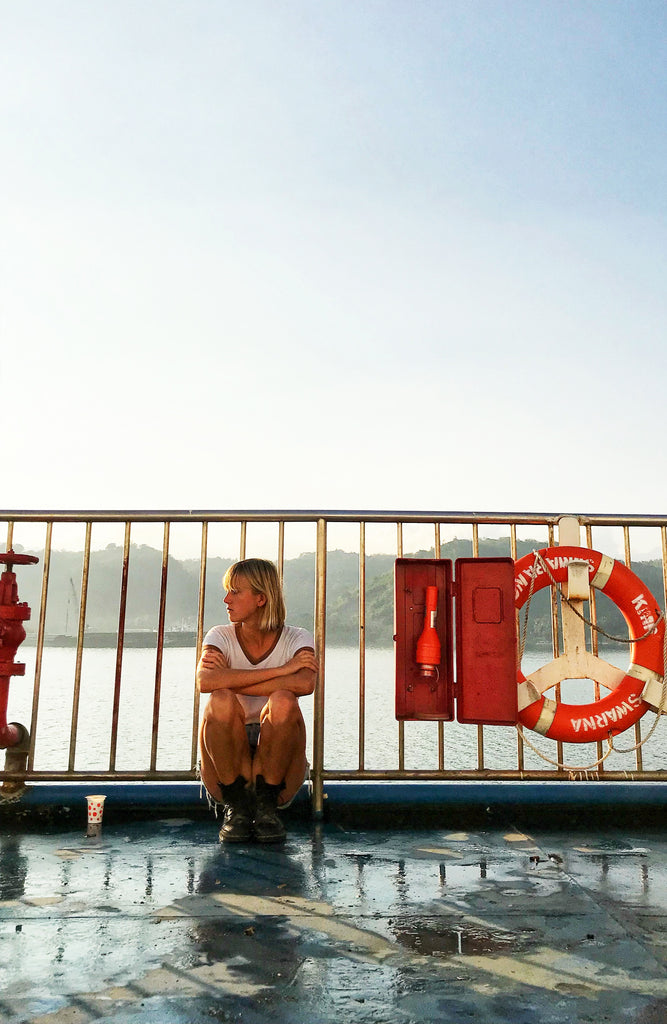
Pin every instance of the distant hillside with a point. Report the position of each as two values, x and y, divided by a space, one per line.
183 589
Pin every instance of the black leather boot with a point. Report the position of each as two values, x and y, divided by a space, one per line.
237 812
267 826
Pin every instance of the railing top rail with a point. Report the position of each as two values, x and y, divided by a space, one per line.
312 515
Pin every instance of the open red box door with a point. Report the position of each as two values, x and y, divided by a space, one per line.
420 696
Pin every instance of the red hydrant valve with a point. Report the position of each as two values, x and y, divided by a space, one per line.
13 613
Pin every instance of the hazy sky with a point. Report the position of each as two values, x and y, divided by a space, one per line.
334 254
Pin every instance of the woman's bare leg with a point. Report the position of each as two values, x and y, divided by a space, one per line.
281 754
223 743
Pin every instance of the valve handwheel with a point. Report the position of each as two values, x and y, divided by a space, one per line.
14 558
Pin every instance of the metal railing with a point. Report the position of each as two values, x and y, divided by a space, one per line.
279 532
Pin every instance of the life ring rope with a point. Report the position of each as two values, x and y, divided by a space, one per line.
559 764
599 579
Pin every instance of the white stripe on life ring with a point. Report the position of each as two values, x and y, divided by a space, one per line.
654 696
605 569
547 715
641 672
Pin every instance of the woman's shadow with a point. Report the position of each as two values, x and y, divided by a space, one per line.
250 923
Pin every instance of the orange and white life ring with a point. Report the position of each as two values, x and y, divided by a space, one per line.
623 706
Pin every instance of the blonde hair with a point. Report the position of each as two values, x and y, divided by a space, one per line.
262 578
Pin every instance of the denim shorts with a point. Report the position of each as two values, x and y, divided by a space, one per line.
252 732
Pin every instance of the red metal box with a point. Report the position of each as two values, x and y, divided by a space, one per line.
423 692
486 642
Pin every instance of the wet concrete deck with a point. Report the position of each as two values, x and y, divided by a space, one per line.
155 921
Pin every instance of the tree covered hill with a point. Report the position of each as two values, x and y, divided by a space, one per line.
105 572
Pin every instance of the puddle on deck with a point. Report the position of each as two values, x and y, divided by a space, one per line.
460 941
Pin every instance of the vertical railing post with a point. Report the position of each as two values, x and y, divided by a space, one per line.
320 642
551 542
437 550
281 551
157 690
517 620
85 570
480 728
362 646
401 724
40 645
200 637
120 643
639 755
593 637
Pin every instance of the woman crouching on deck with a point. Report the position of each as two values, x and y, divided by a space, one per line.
253 737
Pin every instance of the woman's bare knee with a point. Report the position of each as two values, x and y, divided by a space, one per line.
223 708
282 709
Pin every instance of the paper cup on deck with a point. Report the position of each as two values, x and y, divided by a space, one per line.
95 809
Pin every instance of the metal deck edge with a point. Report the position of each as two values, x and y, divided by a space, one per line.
153 795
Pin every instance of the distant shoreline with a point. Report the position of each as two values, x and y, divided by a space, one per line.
147 639
131 638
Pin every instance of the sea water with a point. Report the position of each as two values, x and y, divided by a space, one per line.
57 711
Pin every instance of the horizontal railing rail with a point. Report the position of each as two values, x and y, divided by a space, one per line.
95 717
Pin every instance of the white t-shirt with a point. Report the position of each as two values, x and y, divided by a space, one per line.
290 640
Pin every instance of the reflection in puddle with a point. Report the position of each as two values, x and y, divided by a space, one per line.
464 939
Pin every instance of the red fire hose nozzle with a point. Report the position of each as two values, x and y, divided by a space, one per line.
428 645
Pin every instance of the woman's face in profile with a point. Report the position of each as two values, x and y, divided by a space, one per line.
241 600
